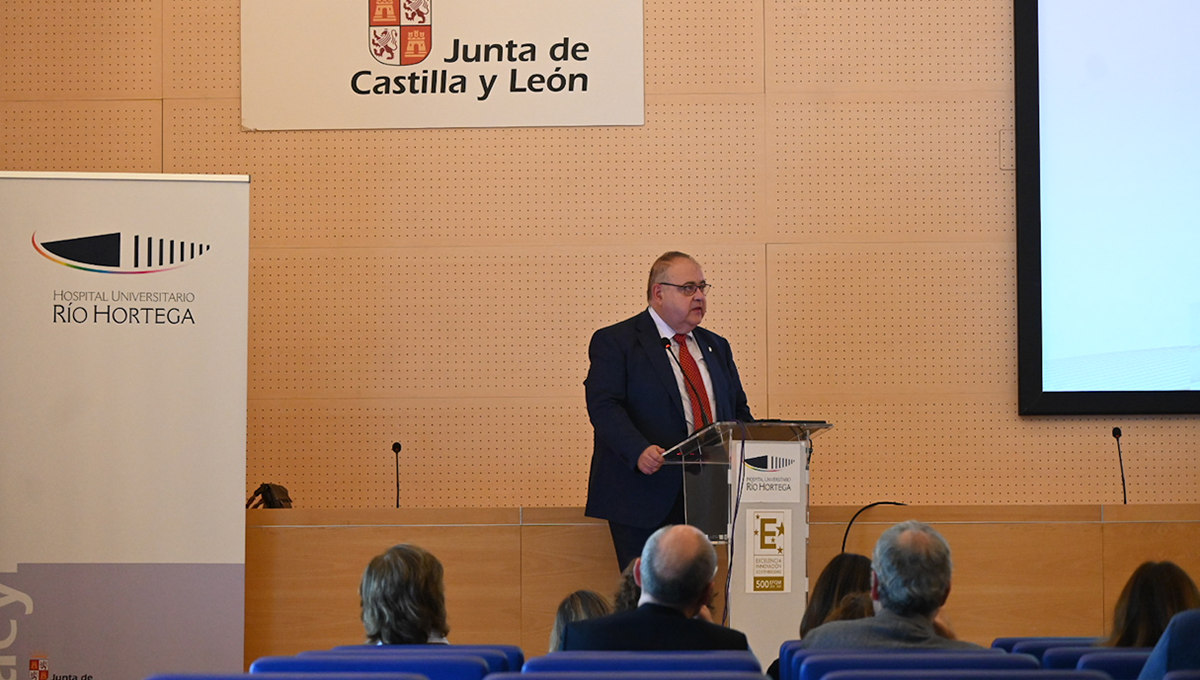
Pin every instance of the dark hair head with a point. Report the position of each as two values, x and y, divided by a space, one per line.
845 574
912 569
678 564
403 597
579 605
853 606
628 592
1154 593
658 270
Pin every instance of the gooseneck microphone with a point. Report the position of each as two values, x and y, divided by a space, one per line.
396 450
666 343
1121 460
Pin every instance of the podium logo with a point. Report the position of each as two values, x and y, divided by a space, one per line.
120 253
769 463
400 32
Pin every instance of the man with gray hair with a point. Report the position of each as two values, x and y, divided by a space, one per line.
676 572
910 581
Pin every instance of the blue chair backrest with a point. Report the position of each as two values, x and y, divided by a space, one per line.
689 674
287 676
1065 658
432 666
786 651
1182 675
1068 657
516 657
1037 648
799 655
645 661
496 660
1007 643
816 666
967 674
1120 664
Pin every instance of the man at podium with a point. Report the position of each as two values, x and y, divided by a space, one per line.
653 380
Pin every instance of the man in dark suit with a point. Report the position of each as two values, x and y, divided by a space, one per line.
676 572
642 401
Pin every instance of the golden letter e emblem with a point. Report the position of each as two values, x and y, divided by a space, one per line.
769 558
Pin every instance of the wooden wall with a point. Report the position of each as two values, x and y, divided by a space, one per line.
842 168
1018 570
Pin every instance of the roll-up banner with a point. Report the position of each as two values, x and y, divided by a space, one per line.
123 413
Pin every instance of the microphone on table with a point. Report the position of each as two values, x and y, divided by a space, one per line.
1121 460
396 450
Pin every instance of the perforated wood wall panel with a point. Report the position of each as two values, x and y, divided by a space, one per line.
888 45
80 49
82 136
473 359
201 57
493 187
842 168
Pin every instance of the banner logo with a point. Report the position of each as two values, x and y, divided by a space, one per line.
400 31
769 463
119 253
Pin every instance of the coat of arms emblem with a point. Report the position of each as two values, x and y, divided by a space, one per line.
401 31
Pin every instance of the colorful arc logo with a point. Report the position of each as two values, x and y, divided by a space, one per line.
118 253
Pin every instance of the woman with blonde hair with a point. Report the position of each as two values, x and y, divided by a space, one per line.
579 605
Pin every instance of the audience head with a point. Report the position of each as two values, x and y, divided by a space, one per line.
845 574
677 568
1153 594
579 605
403 597
911 569
853 606
629 592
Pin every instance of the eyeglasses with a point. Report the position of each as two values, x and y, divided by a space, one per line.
690 288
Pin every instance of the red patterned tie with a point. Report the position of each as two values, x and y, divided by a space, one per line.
699 395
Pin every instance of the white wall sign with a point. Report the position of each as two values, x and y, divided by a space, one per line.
330 64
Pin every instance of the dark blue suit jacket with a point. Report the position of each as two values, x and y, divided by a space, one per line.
633 401
650 627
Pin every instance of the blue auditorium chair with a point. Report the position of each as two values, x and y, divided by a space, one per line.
645 661
516 657
966 674
689 674
1178 649
816 666
1068 657
287 676
432 666
786 651
792 672
1037 648
496 660
1007 643
1119 664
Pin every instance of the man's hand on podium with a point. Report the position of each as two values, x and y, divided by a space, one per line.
651 459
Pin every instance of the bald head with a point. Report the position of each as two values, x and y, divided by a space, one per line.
677 567
912 569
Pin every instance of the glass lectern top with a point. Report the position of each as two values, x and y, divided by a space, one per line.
712 444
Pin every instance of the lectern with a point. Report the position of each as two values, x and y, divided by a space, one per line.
746 485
